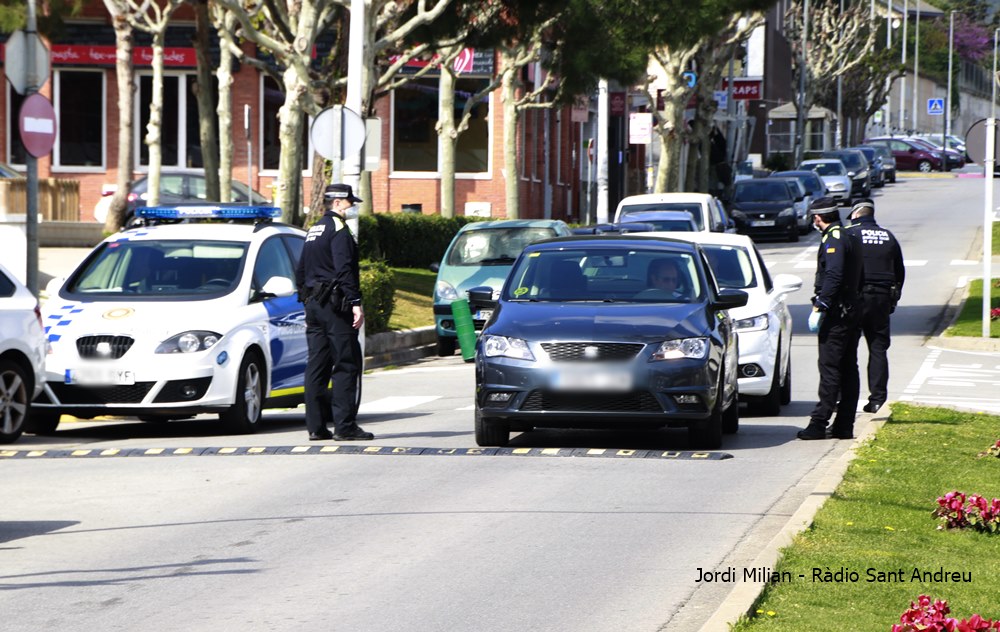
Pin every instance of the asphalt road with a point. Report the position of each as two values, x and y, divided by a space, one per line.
186 529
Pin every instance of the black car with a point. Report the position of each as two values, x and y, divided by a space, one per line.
875 164
583 336
857 170
765 207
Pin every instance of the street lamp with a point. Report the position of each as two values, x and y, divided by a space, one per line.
902 80
951 54
916 64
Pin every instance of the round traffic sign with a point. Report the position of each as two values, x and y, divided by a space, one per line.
37 123
975 141
324 132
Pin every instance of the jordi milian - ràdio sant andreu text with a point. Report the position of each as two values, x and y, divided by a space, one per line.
827 575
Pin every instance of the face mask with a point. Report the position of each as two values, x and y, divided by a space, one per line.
352 212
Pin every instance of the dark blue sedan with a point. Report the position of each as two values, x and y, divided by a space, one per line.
608 331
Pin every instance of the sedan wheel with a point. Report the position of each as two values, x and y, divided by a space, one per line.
924 166
446 346
491 432
244 416
15 400
786 386
706 434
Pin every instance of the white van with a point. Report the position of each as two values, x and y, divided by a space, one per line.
708 212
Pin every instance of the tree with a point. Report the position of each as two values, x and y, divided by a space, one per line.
207 130
125 74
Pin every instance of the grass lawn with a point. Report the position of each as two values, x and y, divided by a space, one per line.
880 519
970 319
414 298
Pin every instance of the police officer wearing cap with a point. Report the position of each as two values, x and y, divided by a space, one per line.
836 316
884 276
328 280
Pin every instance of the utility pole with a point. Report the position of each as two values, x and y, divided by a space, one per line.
31 219
916 65
902 80
355 69
602 151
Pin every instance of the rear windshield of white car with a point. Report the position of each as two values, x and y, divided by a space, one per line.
494 246
607 275
174 268
761 191
731 265
694 208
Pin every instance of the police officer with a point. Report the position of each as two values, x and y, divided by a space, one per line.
836 316
328 280
884 276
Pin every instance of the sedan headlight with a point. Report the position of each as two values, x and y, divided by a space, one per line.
861 175
788 212
445 291
695 348
837 186
189 342
502 346
756 323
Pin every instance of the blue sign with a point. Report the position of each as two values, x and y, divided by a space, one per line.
935 107
690 77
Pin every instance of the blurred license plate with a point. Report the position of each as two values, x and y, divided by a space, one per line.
592 380
762 222
99 376
483 314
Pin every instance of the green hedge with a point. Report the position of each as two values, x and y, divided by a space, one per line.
377 295
407 240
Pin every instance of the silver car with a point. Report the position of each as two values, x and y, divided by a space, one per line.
22 355
834 175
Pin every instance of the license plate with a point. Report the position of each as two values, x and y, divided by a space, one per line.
483 314
762 222
98 376
592 380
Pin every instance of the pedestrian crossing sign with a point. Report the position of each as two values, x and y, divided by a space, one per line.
935 107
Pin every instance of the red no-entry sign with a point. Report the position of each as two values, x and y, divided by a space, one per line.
37 123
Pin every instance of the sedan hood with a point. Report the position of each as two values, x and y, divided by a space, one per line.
600 322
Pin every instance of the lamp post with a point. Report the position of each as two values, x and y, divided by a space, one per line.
902 79
951 54
888 82
990 164
916 64
840 100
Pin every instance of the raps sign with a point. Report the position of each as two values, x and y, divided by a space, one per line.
746 89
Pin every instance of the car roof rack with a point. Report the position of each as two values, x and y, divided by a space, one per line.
191 212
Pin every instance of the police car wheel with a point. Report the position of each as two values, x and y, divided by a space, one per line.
243 417
15 399
42 422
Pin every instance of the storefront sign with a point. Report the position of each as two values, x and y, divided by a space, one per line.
745 89
85 55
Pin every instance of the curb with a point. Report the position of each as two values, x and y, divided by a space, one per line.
397 347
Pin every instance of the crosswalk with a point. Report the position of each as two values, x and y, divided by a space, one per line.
957 379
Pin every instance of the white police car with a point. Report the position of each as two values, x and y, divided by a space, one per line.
178 317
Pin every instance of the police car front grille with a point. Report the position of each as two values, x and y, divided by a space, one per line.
87 346
577 351
69 394
549 401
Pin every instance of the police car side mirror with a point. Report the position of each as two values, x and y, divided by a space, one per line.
276 287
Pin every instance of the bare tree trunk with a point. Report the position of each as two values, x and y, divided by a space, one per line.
510 117
203 93
126 93
448 133
154 129
289 193
224 110
662 166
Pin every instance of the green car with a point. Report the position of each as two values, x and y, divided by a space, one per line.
481 253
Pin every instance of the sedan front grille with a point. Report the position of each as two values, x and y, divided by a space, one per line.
591 351
550 401
70 394
103 347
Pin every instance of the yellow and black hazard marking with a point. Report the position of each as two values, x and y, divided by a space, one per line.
373 450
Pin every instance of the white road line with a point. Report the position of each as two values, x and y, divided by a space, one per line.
395 403
914 263
434 369
471 407
962 281
963 262
805 264
925 371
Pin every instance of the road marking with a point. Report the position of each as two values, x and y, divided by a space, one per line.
395 403
961 262
914 263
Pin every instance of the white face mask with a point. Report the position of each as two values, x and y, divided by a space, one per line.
351 212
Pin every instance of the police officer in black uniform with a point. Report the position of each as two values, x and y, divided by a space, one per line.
884 276
836 316
328 280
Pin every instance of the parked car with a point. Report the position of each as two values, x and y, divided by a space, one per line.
660 220
22 355
168 321
481 253
176 187
909 155
763 325
834 176
857 170
888 161
955 143
580 338
874 164
765 207
956 159
709 213
809 187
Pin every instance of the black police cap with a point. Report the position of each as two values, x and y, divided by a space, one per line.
823 205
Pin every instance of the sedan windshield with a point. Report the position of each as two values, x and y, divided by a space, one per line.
754 191
832 168
606 274
494 246
161 268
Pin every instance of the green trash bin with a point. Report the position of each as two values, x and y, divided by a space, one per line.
464 328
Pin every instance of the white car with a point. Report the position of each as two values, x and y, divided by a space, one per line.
22 355
763 325
708 212
834 175
170 320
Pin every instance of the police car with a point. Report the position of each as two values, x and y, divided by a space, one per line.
176 317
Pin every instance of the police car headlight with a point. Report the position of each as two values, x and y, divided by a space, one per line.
757 323
788 212
189 342
695 348
502 346
445 291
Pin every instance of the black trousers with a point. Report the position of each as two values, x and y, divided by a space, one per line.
875 326
839 381
334 352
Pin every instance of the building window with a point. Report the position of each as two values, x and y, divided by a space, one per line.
273 97
414 139
80 106
180 142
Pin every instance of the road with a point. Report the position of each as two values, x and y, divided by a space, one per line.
174 527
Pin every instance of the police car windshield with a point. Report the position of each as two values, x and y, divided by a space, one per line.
174 268
494 246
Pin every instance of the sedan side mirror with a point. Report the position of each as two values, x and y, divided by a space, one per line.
787 283
729 299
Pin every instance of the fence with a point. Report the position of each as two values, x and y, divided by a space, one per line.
58 198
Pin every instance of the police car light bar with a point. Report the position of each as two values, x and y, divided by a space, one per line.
208 211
